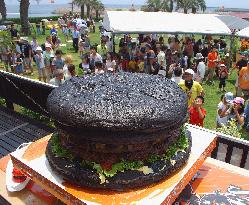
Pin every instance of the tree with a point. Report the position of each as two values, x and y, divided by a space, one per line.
97 6
3 10
191 4
81 4
159 5
24 16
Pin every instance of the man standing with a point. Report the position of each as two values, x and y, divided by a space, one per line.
239 65
212 63
76 35
191 87
243 81
27 54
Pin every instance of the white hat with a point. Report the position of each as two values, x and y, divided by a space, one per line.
190 71
24 39
199 56
38 48
47 45
222 65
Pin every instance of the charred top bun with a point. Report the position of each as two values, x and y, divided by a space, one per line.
119 102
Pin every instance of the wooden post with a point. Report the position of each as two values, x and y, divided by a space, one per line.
113 43
230 52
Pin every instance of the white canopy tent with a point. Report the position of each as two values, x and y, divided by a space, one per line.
243 33
124 22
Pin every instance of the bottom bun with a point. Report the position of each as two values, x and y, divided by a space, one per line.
75 174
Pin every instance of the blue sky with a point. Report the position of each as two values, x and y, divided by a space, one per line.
226 3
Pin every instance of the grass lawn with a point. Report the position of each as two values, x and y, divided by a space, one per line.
212 96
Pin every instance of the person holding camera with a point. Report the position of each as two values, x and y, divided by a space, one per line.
197 113
236 111
223 107
230 109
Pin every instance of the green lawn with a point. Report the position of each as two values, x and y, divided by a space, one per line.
212 96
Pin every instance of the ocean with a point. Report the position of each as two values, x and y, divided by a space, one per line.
44 10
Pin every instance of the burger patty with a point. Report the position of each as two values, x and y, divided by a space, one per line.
113 153
82 135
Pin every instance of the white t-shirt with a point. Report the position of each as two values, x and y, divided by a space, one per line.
201 68
222 120
96 58
161 58
110 64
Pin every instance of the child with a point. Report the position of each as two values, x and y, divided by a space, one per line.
81 48
39 59
223 73
196 112
58 62
132 65
19 64
84 65
48 54
65 32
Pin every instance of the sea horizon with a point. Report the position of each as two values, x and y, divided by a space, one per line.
47 9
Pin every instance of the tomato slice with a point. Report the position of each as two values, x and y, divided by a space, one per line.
18 176
106 166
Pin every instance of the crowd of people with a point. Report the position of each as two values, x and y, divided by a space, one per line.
183 59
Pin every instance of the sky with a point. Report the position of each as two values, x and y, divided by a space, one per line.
210 3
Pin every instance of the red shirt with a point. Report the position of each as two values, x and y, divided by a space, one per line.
194 116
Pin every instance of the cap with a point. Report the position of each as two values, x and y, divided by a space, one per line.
38 48
229 96
222 65
190 71
162 72
239 100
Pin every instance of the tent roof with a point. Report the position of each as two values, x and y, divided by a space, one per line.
163 22
243 33
233 22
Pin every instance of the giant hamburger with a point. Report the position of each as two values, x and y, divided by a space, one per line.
118 131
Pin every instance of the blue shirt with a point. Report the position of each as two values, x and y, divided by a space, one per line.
75 34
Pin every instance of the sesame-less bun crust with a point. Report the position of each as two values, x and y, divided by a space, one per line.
73 172
119 102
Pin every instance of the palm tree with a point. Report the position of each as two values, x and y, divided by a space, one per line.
24 16
88 8
98 6
191 4
81 4
160 5
3 10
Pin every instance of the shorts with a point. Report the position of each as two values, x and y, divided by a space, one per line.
222 83
42 73
27 62
19 69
